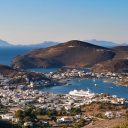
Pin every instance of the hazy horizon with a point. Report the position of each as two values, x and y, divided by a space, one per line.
33 22
89 41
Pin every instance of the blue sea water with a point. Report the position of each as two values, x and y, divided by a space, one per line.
8 53
44 70
47 70
83 84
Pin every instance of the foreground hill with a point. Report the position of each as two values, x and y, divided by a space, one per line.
70 54
6 70
20 75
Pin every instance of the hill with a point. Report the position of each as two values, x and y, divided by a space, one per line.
76 54
45 44
102 43
116 65
4 43
70 54
6 70
121 48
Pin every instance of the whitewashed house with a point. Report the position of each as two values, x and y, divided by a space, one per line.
109 114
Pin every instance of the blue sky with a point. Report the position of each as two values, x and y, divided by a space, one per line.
35 21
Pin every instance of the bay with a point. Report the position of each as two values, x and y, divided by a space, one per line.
8 53
47 70
83 84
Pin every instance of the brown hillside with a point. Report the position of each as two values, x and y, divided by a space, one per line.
73 53
117 65
121 48
6 70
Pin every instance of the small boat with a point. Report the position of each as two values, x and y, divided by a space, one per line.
68 84
111 87
95 84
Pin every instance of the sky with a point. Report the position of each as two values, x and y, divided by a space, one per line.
36 21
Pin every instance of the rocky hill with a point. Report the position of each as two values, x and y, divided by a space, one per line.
6 70
14 73
121 48
74 54
70 54
115 65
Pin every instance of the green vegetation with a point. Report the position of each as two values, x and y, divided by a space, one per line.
107 106
99 115
5 124
80 124
26 115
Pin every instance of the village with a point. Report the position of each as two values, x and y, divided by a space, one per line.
22 99
60 77
58 110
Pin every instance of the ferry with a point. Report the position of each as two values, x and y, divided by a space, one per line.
87 93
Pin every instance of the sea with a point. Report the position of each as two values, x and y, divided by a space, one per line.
8 53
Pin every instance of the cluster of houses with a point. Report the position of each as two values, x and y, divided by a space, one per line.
110 114
41 83
23 95
51 101
68 73
74 73
71 119
5 80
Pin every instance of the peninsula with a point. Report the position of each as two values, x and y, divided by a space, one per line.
74 54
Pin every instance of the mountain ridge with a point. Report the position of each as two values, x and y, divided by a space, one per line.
108 44
76 54
4 43
69 54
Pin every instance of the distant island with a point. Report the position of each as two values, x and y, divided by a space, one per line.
4 43
45 44
38 45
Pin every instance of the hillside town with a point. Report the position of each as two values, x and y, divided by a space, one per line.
70 105
54 109
59 78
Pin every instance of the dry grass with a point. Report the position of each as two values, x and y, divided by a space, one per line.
95 108
107 123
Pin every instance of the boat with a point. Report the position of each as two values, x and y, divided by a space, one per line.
68 84
87 93
95 84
